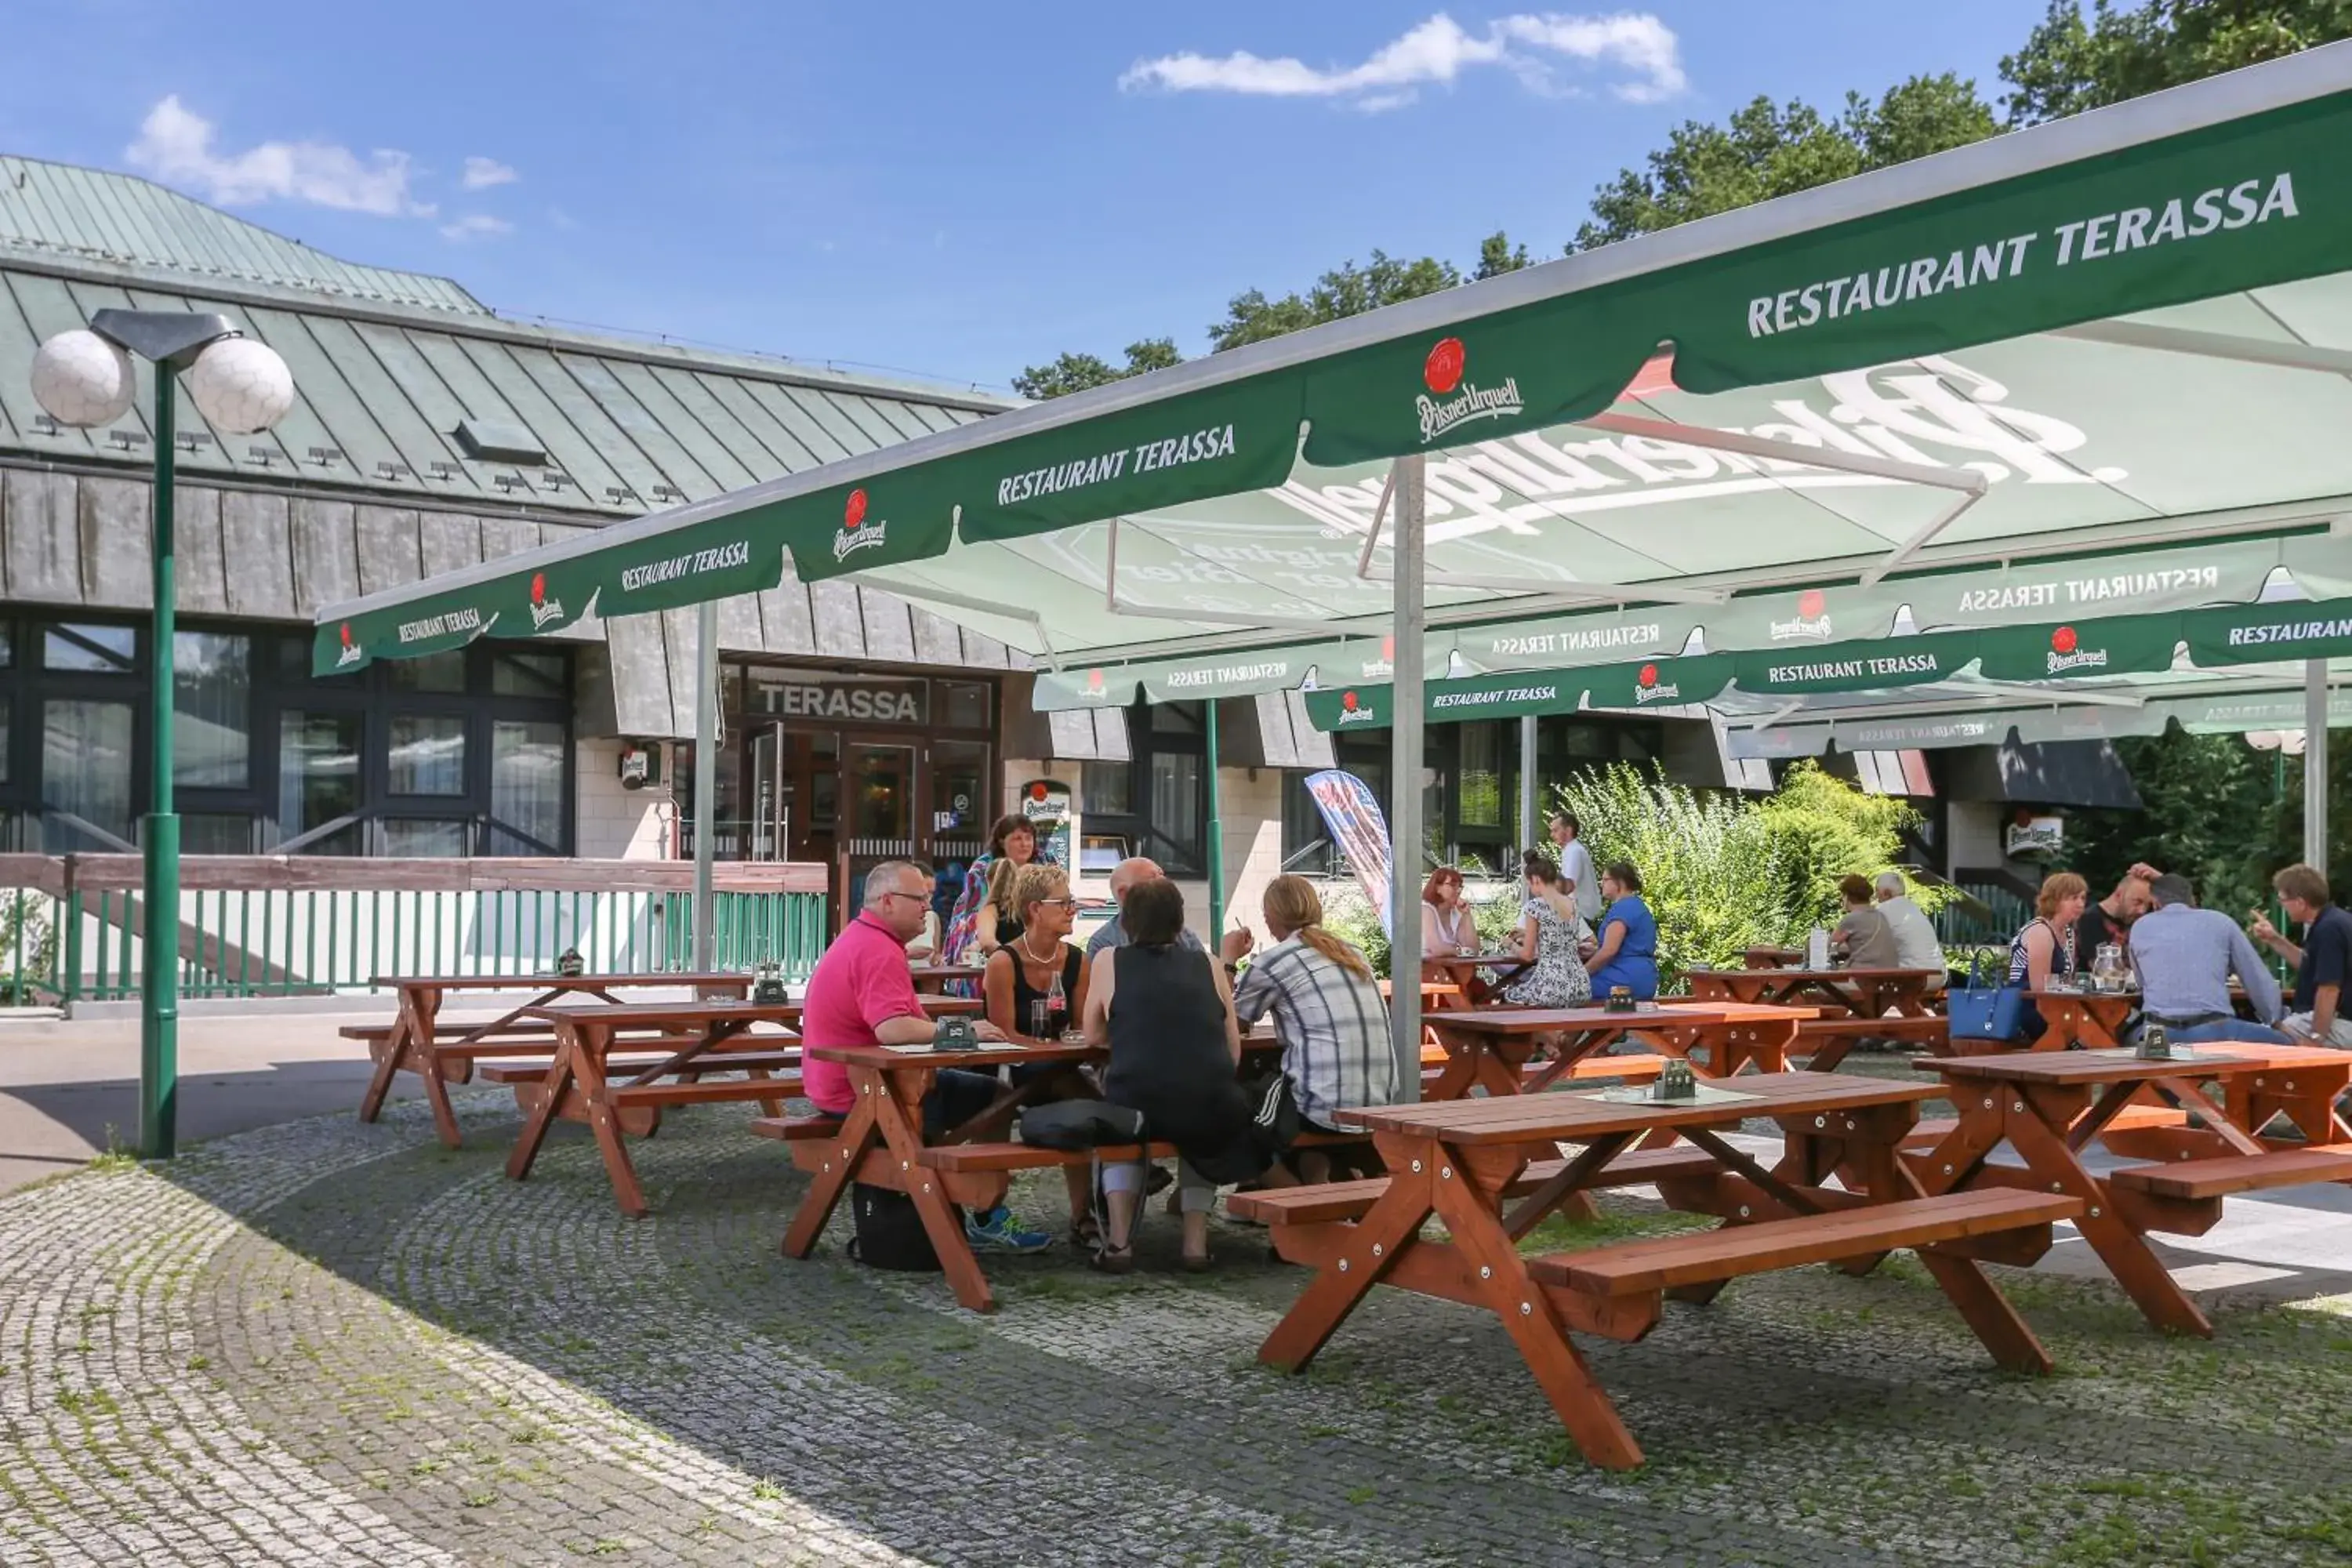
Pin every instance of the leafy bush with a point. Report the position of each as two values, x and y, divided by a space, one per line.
1723 873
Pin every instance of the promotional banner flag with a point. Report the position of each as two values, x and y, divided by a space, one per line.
1357 826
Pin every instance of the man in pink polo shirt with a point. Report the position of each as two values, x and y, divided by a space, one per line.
862 995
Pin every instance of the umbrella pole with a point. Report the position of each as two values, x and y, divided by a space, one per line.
1216 836
2314 765
1404 782
706 781
1528 834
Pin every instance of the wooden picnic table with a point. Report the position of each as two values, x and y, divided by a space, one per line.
1860 993
1494 1049
412 1043
1462 970
700 1038
1463 1162
1772 957
881 1141
2094 1020
2049 1106
933 979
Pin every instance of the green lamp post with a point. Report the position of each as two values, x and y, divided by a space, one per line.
84 378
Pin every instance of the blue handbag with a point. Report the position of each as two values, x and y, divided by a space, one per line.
1978 1011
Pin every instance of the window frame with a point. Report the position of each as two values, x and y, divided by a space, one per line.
1144 742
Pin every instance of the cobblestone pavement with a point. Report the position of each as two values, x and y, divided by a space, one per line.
325 1342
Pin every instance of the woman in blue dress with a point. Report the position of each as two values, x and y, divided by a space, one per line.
1627 952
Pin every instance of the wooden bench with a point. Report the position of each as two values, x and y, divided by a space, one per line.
638 1107
451 1031
1710 1257
2191 1180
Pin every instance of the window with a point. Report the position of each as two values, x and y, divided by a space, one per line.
1106 789
212 702
317 780
103 650
1480 798
427 755
86 768
1159 801
962 705
443 672
467 753
530 675
526 787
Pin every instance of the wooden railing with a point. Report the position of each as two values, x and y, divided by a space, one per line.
70 926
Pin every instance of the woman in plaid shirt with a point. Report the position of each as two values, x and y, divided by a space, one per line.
1328 1012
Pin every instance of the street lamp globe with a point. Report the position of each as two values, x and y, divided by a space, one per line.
80 379
241 386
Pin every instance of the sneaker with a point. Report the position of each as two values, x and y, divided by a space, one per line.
996 1228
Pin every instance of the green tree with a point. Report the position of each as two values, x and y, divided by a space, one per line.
2069 65
1347 290
1765 150
1075 373
1497 254
2206 812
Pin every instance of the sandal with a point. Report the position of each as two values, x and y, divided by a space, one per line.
1199 1264
1113 1259
1086 1234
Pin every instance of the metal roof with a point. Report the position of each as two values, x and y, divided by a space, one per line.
627 427
57 210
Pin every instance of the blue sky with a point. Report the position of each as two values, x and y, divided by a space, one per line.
953 190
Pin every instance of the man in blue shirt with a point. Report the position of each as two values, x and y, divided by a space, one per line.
2186 957
2322 962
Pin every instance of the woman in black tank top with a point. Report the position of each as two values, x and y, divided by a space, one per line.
1166 1014
1018 986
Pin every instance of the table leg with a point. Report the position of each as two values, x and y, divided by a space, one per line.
857 1135
1996 1322
2124 1250
390 1058
1374 1244
1473 1218
542 1115
588 1070
898 1111
542 1000
428 1067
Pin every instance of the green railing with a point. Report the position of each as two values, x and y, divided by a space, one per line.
259 926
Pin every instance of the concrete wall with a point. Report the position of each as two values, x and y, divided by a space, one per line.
617 824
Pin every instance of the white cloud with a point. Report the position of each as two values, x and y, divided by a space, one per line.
1635 44
175 145
481 173
475 226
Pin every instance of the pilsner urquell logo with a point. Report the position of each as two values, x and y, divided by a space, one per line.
2065 653
1351 712
1380 669
856 533
1813 622
351 652
1094 684
543 608
1647 690
1464 401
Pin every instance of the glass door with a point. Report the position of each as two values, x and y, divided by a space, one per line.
878 787
767 828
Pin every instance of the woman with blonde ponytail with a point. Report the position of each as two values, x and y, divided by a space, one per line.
1327 1013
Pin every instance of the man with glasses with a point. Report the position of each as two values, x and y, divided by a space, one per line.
862 995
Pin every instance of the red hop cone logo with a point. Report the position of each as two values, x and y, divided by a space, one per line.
347 634
1812 602
1348 701
1388 650
855 512
1442 369
1094 681
537 588
1037 790
2063 639
1649 676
